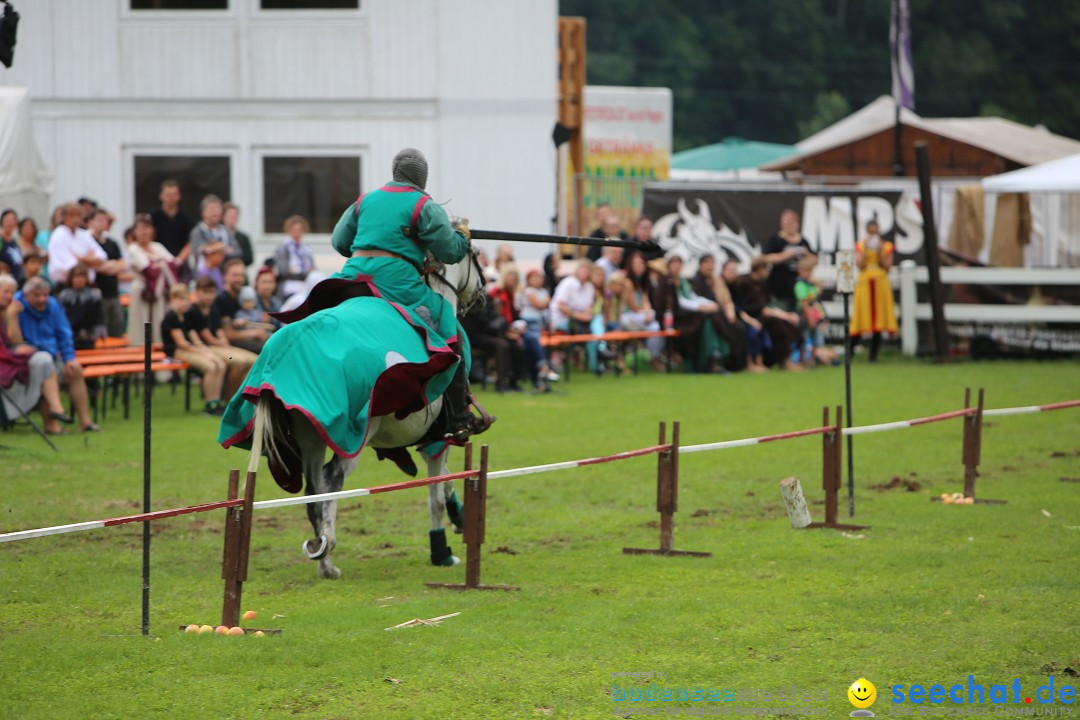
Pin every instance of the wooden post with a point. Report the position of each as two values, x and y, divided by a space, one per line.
972 446
475 519
832 464
230 606
667 498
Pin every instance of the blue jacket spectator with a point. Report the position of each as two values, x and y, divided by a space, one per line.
47 330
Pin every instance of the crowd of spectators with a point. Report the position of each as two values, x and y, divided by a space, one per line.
64 288
61 290
727 321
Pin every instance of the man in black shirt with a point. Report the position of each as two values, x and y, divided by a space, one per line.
610 227
172 226
225 308
108 275
230 220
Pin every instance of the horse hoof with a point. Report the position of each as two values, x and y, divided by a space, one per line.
329 573
313 553
457 530
450 561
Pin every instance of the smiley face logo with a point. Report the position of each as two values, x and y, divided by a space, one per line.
862 693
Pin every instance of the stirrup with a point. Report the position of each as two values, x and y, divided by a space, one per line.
467 424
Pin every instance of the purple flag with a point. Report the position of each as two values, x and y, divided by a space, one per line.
903 71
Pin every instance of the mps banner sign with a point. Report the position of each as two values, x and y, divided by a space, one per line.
692 219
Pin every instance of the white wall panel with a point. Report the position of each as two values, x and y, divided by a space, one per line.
178 60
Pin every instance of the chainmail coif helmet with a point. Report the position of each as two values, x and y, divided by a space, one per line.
410 166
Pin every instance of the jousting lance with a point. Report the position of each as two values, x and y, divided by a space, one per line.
476 234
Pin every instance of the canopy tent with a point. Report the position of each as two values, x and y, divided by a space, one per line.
732 158
1054 191
26 183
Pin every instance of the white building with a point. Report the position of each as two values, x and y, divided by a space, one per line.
294 106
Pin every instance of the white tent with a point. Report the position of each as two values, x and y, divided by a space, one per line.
1054 189
26 183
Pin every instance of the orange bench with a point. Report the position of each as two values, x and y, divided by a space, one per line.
123 367
557 339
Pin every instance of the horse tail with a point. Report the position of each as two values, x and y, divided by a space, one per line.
271 429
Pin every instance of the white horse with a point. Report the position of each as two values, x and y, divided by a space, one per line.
460 284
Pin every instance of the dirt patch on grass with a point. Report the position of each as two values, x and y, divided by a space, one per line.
897 483
504 550
1070 479
700 513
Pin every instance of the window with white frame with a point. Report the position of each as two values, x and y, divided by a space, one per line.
317 187
179 4
309 4
197 175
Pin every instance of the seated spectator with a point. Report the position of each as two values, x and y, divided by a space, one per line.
27 375
532 304
812 314
751 295
250 315
504 255
757 340
181 341
34 266
213 257
45 327
572 302
70 244
638 313
225 308
610 260
83 307
155 272
197 325
490 334
293 260
608 226
726 322
702 348
266 295
10 254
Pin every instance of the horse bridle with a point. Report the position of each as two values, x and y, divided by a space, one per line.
435 269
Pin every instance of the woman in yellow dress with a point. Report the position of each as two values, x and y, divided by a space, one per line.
874 310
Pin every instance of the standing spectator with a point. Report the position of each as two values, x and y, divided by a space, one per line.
213 258
643 232
211 230
44 325
28 234
10 254
751 294
293 260
181 343
156 271
172 226
197 324
243 240
783 252
83 307
109 274
70 244
726 322
225 308
611 227
25 372
874 311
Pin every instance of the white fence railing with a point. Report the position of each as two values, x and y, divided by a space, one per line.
909 311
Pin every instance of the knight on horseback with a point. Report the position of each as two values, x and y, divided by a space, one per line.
387 235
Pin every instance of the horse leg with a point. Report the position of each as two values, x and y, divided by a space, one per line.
320 479
441 497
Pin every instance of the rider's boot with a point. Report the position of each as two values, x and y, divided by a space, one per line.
461 422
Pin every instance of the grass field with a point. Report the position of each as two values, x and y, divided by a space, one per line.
930 594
